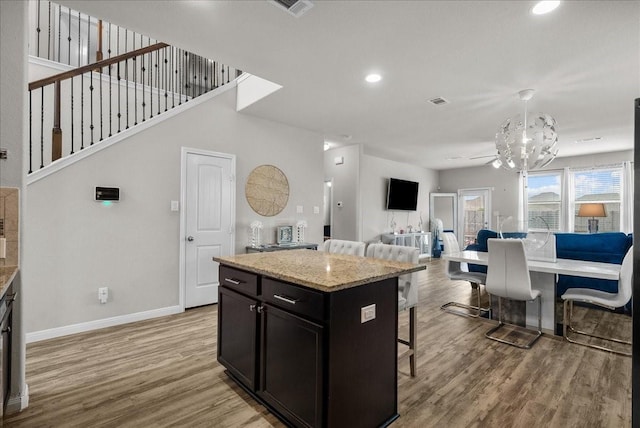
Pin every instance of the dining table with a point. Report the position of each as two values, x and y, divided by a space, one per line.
543 276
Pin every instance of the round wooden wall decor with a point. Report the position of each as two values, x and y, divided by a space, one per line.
267 190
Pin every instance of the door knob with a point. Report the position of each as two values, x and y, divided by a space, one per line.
189 238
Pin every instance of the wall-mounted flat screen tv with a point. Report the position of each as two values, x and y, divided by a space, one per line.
402 195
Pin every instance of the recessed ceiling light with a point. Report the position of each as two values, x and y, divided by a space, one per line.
545 6
373 78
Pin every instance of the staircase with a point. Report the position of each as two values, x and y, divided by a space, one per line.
85 99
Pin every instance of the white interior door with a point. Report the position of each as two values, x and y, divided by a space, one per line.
209 198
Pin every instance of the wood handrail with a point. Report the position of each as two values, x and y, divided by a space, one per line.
96 65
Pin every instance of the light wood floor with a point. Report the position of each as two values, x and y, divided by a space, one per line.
163 372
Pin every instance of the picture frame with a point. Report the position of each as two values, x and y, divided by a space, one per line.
284 235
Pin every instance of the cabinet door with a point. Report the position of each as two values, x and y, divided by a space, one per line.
6 359
423 243
237 335
291 366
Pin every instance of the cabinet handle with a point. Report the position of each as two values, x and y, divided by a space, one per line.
259 309
252 308
285 299
7 330
233 281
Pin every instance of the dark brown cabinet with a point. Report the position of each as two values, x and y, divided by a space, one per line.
6 315
238 340
307 355
291 366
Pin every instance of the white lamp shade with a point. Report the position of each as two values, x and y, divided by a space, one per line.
592 210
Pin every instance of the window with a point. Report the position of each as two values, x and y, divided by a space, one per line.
554 198
544 200
597 185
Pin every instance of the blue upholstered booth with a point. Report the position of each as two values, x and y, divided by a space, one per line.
608 247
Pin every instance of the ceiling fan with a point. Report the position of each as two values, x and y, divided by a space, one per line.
493 160
482 157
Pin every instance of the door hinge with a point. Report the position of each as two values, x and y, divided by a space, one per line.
232 177
230 230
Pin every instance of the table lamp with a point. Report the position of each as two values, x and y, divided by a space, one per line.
593 211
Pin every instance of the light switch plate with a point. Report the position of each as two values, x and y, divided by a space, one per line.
367 313
299 209
175 206
316 210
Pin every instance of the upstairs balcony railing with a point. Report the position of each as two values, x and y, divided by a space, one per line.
102 95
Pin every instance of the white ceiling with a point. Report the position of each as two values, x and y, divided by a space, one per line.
583 60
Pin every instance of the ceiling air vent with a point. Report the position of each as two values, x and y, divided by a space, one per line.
295 7
438 101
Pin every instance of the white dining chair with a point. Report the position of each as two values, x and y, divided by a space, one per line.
407 291
457 271
600 298
339 246
508 277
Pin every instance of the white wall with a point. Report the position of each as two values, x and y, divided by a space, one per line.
76 245
504 197
375 173
592 160
504 185
13 84
360 183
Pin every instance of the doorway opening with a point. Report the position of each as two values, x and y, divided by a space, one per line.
328 202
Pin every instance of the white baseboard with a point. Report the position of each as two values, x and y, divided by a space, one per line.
52 333
18 403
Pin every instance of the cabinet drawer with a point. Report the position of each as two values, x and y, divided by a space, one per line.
298 300
244 282
6 302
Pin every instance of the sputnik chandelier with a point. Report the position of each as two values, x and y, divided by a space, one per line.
526 142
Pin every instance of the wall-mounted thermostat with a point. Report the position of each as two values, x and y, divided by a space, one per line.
107 194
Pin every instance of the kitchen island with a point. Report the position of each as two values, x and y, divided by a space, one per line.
313 335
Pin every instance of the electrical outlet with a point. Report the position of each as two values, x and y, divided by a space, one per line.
103 294
367 313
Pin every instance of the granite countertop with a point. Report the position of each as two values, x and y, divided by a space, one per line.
319 270
7 273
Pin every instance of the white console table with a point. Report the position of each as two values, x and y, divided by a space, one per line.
420 240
